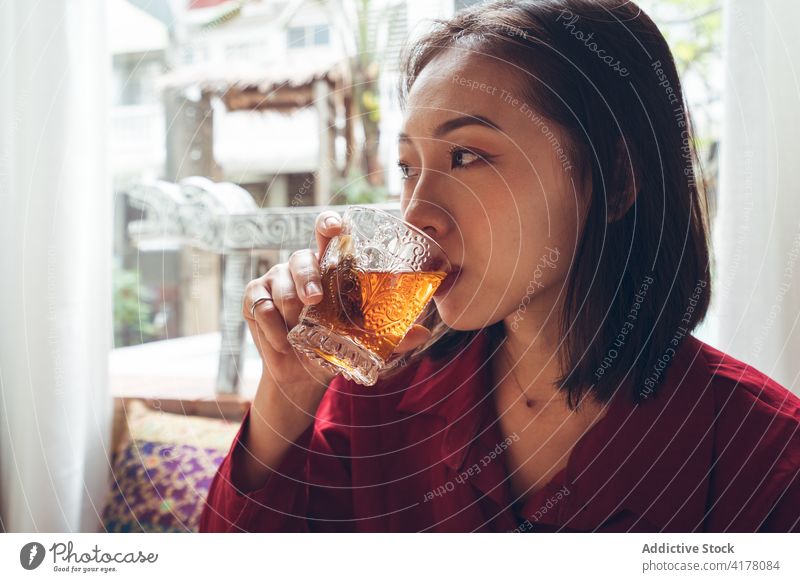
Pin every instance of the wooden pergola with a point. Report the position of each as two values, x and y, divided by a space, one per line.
283 87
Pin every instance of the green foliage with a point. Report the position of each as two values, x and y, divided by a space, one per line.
693 29
355 189
371 105
133 312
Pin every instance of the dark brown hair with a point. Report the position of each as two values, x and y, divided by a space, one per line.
601 71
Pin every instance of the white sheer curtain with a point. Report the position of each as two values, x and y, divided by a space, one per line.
55 221
756 311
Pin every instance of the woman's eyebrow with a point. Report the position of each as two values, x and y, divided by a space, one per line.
455 123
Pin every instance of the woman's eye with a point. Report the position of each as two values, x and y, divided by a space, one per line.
461 158
405 171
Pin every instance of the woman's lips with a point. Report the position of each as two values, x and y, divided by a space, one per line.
448 282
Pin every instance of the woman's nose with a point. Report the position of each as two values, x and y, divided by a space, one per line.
427 216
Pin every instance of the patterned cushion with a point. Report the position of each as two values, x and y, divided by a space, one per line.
162 475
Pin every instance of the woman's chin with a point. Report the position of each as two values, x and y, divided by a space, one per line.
454 317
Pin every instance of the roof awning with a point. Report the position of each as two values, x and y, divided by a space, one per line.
284 86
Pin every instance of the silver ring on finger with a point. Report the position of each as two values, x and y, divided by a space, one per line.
256 303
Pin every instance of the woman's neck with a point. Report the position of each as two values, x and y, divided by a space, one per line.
529 357
529 353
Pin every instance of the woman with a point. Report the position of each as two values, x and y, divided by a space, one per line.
556 385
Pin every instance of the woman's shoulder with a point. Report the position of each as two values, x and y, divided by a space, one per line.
746 423
737 383
724 438
756 420
754 442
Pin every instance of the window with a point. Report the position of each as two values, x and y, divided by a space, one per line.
321 35
307 36
297 37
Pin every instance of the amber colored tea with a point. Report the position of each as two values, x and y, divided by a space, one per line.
374 308
378 276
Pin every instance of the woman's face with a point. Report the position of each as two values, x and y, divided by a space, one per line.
491 181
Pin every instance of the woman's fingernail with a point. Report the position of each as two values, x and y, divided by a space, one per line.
312 288
331 221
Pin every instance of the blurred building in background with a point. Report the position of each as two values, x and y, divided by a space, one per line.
293 101
287 99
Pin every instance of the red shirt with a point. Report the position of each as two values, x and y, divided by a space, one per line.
718 449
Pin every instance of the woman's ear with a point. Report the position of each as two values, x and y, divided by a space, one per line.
626 185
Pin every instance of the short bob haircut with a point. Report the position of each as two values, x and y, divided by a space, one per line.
601 71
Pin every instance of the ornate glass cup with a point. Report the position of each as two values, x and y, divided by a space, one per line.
378 276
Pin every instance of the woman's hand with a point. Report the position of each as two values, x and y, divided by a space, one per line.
291 385
287 288
285 291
